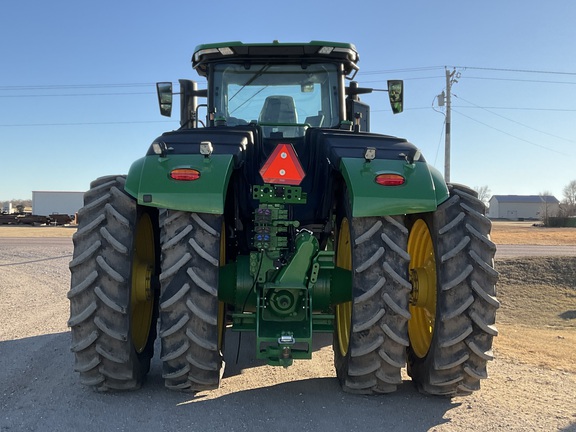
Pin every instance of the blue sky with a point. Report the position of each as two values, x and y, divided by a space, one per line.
77 96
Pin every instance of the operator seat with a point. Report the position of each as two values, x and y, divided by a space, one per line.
279 109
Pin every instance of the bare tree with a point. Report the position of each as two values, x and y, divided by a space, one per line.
484 193
569 192
545 211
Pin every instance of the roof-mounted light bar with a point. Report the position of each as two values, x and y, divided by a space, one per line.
223 50
276 51
327 50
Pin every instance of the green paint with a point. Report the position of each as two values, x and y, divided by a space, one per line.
150 183
233 44
422 191
275 298
295 273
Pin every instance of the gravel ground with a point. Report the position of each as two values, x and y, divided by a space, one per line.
40 392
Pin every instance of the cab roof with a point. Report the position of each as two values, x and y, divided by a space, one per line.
277 52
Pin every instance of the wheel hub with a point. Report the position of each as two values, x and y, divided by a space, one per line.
423 281
344 310
142 282
423 295
141 296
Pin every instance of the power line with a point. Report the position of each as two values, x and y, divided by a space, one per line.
74 86
405 109
373 72
76 95
85 123
415 69
516 70
403 79
521 108
521 80
514 121
493 69
440 140
509 134
492 108
480 78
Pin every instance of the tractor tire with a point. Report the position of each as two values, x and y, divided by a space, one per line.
454 303
190 316
113 294
371 337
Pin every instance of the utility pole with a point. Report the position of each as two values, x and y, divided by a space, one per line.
449 80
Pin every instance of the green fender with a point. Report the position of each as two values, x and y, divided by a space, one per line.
423 190
149 182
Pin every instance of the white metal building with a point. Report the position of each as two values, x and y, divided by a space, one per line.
7 208
516 207
45 203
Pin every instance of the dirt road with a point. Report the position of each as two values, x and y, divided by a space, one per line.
511 251
532 385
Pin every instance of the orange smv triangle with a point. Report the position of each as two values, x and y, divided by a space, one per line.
283 167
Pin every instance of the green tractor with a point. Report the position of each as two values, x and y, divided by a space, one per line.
277 212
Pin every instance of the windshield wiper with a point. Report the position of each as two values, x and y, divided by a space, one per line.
247 100
251 80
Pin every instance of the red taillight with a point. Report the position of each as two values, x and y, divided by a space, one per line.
184 174
283 167
390 179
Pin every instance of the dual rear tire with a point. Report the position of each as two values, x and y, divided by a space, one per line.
370 335
454 303
423 289
191 321
118 290
114 288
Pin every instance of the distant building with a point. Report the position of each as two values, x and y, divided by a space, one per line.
45 203
7 208
518 207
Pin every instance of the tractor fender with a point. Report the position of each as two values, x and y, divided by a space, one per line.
149 181
422 191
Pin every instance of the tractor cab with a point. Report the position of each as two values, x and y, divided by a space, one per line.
284 88
284 100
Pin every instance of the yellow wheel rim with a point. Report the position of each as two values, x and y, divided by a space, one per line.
222 305
344 310
423 278
142 297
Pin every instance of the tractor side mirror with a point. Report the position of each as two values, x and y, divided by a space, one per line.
396 95
164 90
